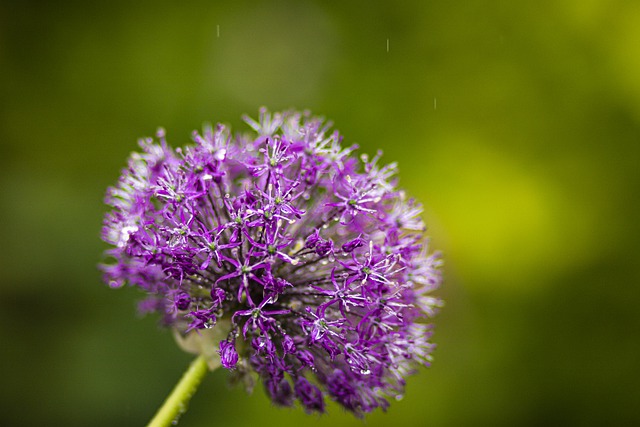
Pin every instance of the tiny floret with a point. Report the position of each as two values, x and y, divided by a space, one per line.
310 261
228 354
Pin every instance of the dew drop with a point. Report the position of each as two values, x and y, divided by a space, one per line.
367 372
399 397
220 154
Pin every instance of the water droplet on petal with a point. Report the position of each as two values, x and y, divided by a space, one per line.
220 154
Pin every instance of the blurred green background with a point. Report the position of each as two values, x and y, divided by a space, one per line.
516 123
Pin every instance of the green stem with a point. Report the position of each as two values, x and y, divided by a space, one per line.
177 401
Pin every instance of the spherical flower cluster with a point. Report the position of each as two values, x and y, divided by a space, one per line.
311 260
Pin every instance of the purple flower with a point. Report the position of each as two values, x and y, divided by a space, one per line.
228 354
310 396
182 301
311 261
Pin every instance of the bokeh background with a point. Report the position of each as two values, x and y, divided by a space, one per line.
516 123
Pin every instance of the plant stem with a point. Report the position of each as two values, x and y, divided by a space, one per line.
176 403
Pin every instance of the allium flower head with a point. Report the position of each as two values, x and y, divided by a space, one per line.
308 260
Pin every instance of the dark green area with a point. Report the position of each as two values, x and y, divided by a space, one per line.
517 124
